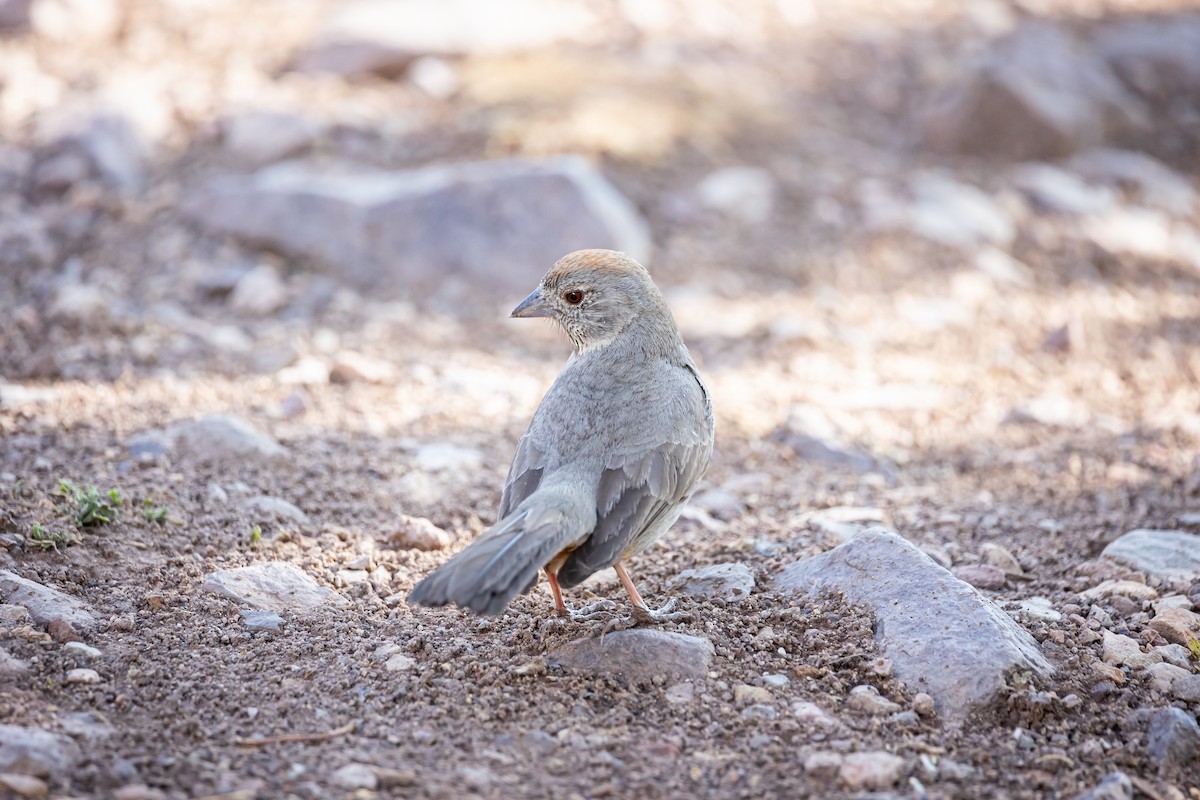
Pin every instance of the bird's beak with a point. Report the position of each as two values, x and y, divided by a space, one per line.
533 306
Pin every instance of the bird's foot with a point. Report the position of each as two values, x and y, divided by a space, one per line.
601 609
642 615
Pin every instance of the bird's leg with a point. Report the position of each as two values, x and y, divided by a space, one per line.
560 608
642 612
593 611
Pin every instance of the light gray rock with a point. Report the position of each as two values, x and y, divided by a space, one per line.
383 36
272 509
1115 786
746 194
1175 654
355 776
956 213
1173 738
261 620
443 456
45 604
1120 649
11 666
812 714
942 635
32 751
730 582
843 523
876 769
25 241
217 438
638 655
1038 94
822 765
1055 189
813 436
258 138
1158 58
1185 687
418 533
866 699
258 293
1163 554
107 137
495 224
1157 185
83 675
271 586
981 576
79 304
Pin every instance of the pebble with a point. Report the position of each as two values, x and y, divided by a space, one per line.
1039 608
1115 786
62 631
443 456
418 533
867 700
775 681
881 667
1161 553
981 576
728 582
23 785
1120 649
1172 601
1174 654
759 711
813 714
1109 671
1123 588
680 693
923 704
11 666
274 509
638 655
138 791
1177 625
261 620
306 371
81 649
258 293
746 194
355 776
1173 738
1185 687
398 662
31 751
217 437
1161 676
998 556
43 604
871 770
272 586
351 367
822 765
744 693
83 675
940 634
843 523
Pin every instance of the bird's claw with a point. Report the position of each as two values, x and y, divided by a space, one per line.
646 616
601 609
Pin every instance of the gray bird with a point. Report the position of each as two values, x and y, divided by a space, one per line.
612 454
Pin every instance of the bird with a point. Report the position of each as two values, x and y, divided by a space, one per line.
612 455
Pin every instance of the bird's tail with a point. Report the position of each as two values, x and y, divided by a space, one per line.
502 563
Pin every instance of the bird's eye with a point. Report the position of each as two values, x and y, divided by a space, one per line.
573 297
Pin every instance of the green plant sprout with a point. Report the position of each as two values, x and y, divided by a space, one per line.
87 506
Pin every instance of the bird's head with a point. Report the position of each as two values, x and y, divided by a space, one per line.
596 295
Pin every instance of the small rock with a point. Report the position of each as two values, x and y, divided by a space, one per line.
81 649
942 636
273 509
1156 183
257 138
744 693
306 371
442 456
83 676
1161 676
730 582
638 655
1109 588
904 719
418 533
259 293
45 604
1177 626
746 194
1171 601
720 503
999 557
881 667
1115 786
1109 672
1173 737
351 367
80 304
923 704
355 776
435 76
1185 687
867 700
398 662
11 666
775 681
680 693
391 778
822 765
1174 654
23 785
956 214
31 751
271 586
871 770
1119 649
261 620
981 576
1039 608
812 714
1163 554
138 791
62 631
843 523
1055 189
218 438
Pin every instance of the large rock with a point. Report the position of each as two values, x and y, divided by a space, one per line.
32 751
1173 738
1164 554
1038 94
942 635
272 586
216 437
497 224
43 603
638 655
730 582
385 36
1159 57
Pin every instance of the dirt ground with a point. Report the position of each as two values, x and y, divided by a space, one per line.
1048 415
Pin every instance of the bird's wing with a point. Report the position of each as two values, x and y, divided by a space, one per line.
639 487
524 476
